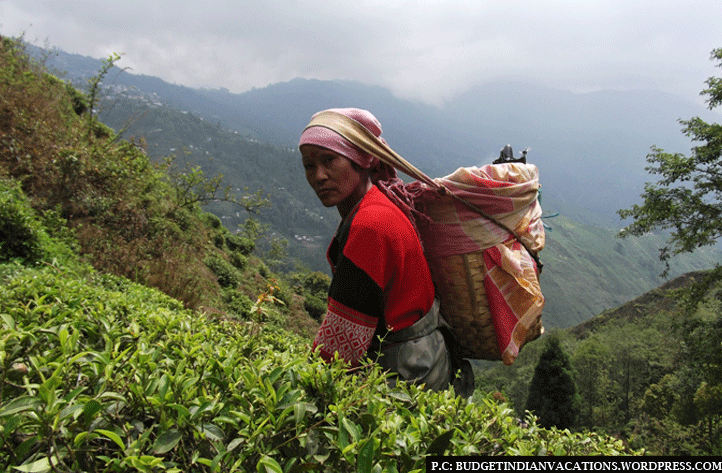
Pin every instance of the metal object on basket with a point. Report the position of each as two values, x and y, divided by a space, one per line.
506 155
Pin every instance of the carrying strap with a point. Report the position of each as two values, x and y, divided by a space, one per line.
357 134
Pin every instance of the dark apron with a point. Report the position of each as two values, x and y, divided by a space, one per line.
419 354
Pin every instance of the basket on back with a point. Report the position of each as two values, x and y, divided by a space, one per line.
486 279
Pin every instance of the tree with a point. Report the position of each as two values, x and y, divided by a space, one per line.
688 197
552 392
192 187
688 201
592 359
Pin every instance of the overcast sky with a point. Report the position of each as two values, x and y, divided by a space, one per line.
421 50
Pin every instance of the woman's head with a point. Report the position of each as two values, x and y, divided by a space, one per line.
329 139
338 170
337 181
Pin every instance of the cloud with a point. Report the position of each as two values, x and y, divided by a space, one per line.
426 50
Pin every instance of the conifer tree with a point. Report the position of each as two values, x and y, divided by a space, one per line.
552 392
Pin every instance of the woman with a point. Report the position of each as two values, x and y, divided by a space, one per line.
381 300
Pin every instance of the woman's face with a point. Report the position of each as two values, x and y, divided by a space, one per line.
334 178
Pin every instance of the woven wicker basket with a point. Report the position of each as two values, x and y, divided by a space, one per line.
459 283
460 288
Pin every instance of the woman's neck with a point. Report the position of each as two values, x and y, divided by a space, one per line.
346 206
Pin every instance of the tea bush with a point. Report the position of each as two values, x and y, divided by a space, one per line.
21 234
102 374
228 276
243 245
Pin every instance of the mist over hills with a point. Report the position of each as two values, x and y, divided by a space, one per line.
590 149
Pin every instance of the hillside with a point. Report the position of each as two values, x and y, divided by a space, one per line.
646 371
588 269
130 340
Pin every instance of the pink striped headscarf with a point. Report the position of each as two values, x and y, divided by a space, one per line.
329 139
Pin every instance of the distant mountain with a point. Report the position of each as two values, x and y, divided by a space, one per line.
590 149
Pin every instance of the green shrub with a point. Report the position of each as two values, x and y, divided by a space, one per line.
212 221
237 259
228 276
315 307
241 244
218 240
237 303
21 233
78 99
165 227
313 287
317 283
183 217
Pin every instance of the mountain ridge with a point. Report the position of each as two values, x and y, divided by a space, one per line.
590 144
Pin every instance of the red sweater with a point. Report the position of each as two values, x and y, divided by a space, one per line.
381 280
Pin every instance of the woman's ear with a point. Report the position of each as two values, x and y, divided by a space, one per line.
382 172
363 171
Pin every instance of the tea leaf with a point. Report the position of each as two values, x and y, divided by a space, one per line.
18 405
364 462
268 465
440 443
112 436
38 466
167 441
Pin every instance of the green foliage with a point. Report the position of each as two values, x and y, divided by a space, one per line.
316 283
552 393
118 204
21 234
27 237
247 165
315 307
688 197
237 303
104 374
95 128
687 200
591 360
643 372
78 99
243 245
238 259
193 187
228 275
660 398
313 286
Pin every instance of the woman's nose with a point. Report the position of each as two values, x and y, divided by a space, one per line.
320 173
